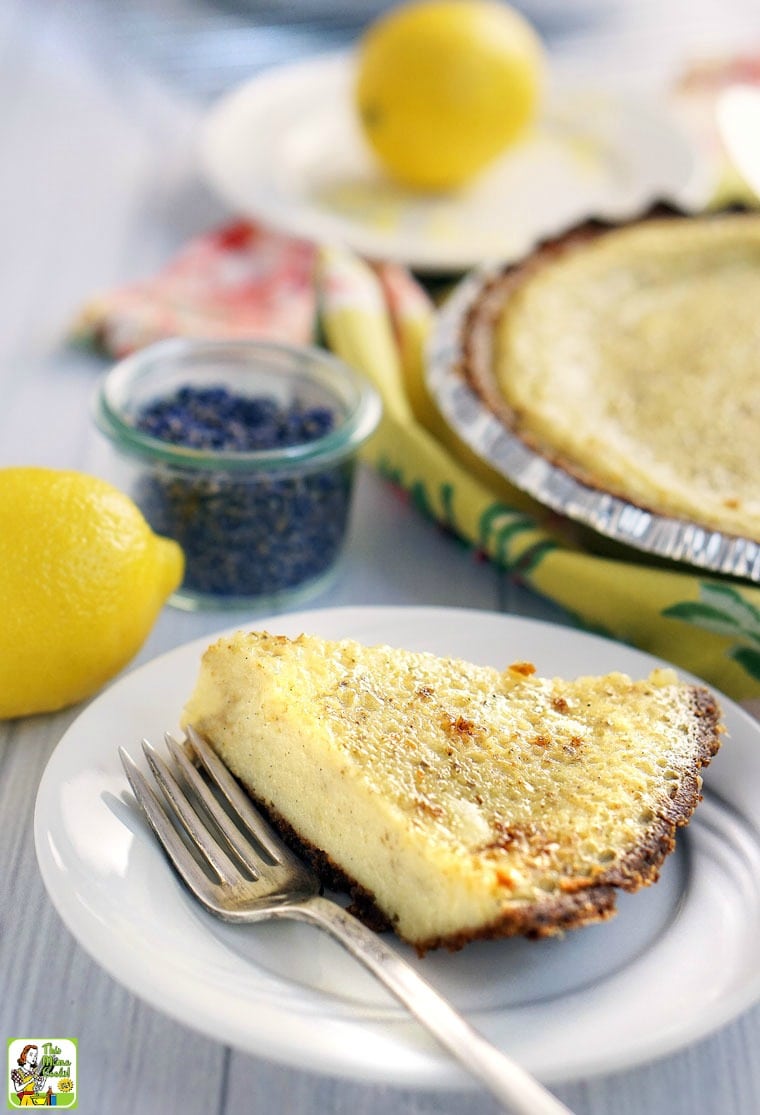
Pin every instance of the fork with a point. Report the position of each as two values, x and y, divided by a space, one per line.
261 878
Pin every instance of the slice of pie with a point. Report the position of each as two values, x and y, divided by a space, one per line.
630 356
458 801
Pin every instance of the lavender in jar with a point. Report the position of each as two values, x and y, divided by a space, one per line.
254 534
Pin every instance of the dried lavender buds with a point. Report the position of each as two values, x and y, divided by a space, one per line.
215 418
245 534
244 451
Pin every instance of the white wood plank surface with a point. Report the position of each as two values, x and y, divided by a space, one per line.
97 186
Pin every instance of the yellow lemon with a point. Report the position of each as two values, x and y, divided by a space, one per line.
444 86
82 580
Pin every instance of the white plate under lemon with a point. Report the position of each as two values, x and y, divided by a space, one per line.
679 960
285 148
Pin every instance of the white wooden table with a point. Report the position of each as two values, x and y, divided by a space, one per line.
97 186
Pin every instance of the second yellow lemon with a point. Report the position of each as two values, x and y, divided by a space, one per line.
444 86
82 579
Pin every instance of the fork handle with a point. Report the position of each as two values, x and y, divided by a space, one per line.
512 1085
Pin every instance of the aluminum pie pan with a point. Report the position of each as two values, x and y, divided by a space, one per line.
609 515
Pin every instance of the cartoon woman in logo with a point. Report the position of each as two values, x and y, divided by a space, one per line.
29 1081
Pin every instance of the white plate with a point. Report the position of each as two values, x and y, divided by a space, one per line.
285 148
680 959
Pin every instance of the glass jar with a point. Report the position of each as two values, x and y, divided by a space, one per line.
259 526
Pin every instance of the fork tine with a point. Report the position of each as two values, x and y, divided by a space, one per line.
238 801
232 834
216 857
167 834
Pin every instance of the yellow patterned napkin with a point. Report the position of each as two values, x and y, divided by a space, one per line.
377 319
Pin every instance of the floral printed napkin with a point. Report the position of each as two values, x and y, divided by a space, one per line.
237 281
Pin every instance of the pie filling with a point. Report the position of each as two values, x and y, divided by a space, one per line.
633 359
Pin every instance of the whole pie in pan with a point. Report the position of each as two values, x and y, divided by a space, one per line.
630 357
